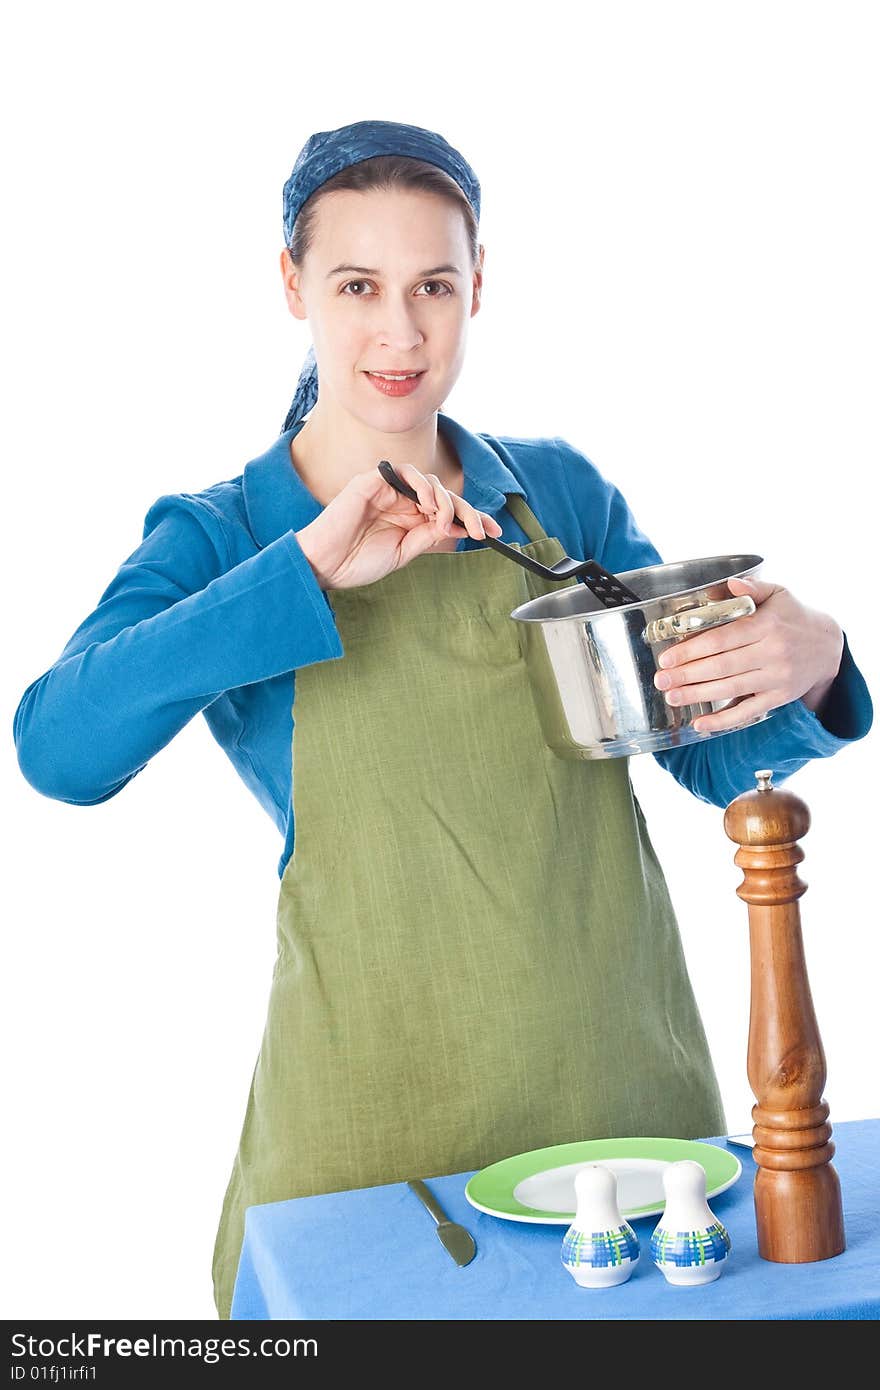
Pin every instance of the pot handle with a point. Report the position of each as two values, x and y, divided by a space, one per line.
696 619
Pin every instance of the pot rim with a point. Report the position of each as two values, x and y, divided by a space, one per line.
627 575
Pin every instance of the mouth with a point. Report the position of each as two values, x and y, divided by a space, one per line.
395 383
397 376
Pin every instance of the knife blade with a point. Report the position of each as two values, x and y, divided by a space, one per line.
458 1241
745 1141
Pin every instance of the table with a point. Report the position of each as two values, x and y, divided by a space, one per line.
371 1253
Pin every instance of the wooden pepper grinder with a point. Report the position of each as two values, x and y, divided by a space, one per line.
798 1206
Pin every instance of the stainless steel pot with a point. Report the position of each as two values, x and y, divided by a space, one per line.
592 668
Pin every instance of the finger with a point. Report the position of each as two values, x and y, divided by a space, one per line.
428 503
474 522
746 683
418 541
469 519
735 716
445 510
759 589
436 503
732 662
470 516
741 632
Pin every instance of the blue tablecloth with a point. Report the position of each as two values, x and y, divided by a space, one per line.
372 1253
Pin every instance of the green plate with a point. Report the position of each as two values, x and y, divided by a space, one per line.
539 1186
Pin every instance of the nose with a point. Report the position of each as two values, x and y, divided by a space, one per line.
400 329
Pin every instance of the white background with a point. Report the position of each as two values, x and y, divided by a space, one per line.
681 228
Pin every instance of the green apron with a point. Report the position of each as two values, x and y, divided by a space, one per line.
477 952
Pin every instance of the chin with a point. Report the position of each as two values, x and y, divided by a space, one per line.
393 414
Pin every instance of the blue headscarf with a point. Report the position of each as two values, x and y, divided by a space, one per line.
328 151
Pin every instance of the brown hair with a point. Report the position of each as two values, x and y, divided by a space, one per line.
384 171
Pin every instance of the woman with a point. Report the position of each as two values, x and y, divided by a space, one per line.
463 908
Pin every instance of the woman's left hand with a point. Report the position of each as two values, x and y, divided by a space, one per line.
781 652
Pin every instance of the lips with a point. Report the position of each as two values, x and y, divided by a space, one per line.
394 387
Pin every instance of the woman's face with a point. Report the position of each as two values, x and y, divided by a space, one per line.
402 305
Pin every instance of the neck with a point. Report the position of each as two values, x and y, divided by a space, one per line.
327 453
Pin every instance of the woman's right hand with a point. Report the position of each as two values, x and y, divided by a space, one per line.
370 529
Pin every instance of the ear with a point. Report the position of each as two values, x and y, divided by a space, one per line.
476 298
292 279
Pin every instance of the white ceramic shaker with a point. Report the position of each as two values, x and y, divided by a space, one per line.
599 1248
689 1243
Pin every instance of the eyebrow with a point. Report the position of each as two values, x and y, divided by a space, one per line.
365 270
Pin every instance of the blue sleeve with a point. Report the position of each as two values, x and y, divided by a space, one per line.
177 626
718 769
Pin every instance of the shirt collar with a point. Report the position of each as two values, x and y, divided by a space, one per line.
277 500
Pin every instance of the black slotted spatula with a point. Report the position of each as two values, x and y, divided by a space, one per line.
609 590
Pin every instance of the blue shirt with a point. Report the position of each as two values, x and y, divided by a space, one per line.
218 607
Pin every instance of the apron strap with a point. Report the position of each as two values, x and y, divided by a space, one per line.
525 517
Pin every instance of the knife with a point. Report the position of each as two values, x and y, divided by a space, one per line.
458 1241
745 1141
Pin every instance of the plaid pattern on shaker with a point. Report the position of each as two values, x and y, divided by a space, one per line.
600 1248
686 1248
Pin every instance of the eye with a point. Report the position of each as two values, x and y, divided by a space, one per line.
439 285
